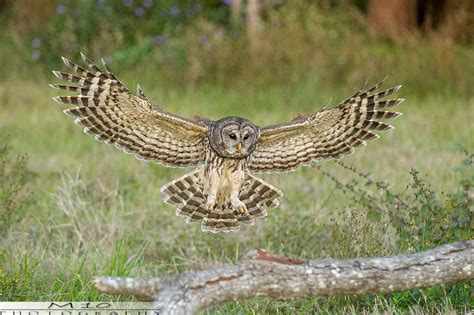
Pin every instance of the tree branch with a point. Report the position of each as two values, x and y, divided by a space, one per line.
260 273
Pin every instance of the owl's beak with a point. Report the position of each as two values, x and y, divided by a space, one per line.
239 147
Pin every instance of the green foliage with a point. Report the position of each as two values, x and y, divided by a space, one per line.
191 43
107 27
14 175
14 197
419 218
383 222
433 221
14 285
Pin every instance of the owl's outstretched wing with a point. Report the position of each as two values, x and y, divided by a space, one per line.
110 112
327 134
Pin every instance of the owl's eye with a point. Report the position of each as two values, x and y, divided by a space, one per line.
233 136
246 137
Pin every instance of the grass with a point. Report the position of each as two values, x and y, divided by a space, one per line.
97 211
72 208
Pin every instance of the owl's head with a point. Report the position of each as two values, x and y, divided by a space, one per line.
233 137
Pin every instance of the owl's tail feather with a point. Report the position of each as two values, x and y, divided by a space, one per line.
187 192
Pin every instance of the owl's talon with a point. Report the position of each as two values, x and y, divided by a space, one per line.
242 210
240 207
210 205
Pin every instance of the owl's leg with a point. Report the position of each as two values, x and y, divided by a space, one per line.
212 187
210 202
237 204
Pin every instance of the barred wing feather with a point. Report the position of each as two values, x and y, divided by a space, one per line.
327 134
110 112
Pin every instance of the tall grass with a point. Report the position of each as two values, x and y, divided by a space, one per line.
186 44
86 209
83 229
14 174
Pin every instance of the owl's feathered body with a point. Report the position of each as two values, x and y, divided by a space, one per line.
222 193
222 179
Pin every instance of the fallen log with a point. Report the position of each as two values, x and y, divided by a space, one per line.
261 273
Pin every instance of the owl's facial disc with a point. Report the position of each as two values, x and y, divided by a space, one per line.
232 140
236 137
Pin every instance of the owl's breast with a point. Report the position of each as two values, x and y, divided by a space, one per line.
223 175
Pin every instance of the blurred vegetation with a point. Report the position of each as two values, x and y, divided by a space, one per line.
14 174
192 42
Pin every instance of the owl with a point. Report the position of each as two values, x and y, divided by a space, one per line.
221 192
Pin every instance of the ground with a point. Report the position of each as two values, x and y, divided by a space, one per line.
97 211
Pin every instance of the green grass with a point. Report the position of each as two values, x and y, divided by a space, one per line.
81 208
97 211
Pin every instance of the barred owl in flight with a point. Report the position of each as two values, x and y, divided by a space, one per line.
221 192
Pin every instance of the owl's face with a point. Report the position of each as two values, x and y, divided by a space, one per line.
233 137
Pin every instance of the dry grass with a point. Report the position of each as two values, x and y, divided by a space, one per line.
98 211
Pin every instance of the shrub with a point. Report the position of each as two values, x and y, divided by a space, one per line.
14 175
384 222
193 42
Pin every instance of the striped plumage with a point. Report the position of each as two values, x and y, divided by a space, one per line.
187 193
327 134
110 112
222 193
